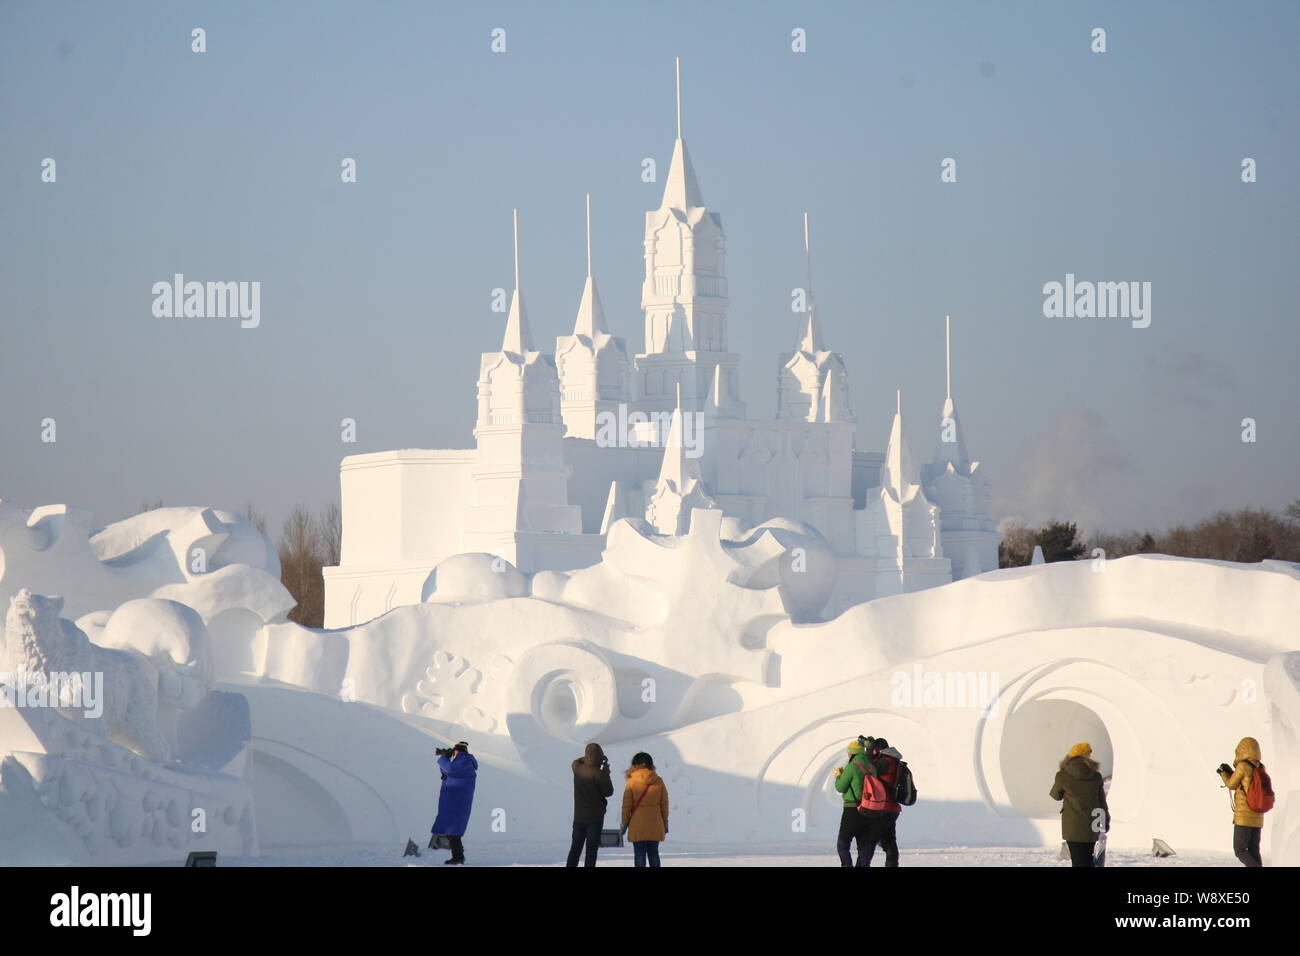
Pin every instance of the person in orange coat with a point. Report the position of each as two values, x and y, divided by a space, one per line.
645 810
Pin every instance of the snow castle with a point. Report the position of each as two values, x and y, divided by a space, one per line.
626 557
568 441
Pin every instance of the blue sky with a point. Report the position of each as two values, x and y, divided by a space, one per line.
1123 165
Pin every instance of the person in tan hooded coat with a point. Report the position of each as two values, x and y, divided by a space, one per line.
1247 825
645 810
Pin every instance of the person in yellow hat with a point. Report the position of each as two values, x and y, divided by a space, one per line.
1084 814
854 827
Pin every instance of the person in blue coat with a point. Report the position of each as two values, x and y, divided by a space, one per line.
459 772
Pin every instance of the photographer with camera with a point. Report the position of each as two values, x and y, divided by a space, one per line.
592 787
1251 794
459 773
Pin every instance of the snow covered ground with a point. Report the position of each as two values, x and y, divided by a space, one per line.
532 854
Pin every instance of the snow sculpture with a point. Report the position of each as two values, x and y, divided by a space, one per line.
211 560
707 649
566 445
110 750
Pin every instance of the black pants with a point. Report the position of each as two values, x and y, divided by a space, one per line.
584 833
457 848
853 826
1082 853
1245 843
882 829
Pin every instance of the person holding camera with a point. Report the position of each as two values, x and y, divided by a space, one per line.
592 787
1247 822
459 773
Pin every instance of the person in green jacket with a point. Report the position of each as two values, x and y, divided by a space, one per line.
853 825
1081 789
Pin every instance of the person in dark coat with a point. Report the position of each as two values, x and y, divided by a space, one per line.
459 773
883 826
1081 789
592 787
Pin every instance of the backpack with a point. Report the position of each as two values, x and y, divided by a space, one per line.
1259 795
875 797
904 785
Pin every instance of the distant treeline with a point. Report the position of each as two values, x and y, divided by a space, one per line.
1246 535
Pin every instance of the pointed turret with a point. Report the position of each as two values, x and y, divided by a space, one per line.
682 189
680 486
718 404
834 406
518 383
684 292
518 337
593 367
804 376
899 529
899 473
591 314
810 339
678 469
615 508
520 478
960 487
951 448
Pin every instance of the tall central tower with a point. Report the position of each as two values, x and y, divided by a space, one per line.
684 295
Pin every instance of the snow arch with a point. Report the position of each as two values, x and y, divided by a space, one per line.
1041 714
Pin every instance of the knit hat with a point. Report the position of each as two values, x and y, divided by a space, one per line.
855 749
1080 750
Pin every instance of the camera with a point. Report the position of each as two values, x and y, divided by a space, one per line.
444 751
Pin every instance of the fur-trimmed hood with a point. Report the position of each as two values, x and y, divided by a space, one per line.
1081 767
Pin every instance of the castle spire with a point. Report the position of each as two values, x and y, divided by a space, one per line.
947 336
591 314
900 474
677 468
518 337
682 190
811 339
951 448
680 486
679 97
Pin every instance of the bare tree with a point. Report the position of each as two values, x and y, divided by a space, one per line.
331 533
309 543
256 518
300 564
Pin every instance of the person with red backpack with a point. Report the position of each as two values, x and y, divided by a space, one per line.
1252 796
854 827
880 803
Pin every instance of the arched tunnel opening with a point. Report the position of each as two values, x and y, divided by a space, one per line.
1036 738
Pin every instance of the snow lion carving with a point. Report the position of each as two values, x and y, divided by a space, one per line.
37 642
